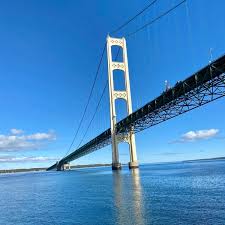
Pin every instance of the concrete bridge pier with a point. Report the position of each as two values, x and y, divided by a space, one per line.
116 166
133 165
63 167
66 166
133 155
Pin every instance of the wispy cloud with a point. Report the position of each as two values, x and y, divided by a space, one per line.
16 131
172 153
17 141
9 159
169 153
197 135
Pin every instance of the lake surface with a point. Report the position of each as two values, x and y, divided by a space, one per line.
173 193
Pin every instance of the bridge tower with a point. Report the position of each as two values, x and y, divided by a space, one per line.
122 94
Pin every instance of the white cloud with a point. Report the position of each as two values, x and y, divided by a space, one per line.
9 159
41 136
16 131
18 142
200 134
197 135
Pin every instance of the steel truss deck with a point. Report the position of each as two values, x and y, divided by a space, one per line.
203 87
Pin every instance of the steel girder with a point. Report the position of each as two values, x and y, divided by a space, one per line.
203 87
202 95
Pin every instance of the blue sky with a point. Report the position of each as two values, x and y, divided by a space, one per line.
49 51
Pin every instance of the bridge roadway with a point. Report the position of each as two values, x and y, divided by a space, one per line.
205 86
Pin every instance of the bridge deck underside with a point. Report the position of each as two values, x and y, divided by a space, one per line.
205 86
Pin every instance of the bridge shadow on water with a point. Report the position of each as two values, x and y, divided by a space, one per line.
128 198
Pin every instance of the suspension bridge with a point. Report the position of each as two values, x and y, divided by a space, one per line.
202 87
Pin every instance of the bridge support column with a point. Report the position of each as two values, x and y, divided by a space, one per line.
133 155
63 167
120 94
66 166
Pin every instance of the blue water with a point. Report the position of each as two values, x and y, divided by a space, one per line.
175 193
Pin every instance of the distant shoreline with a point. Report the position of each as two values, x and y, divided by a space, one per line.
22 170
44 169
209 159
94 165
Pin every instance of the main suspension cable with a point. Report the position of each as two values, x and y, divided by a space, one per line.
88 101
154 20
98 105
100 62
134 17
96 75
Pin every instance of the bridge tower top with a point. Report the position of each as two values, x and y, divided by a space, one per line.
121 94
